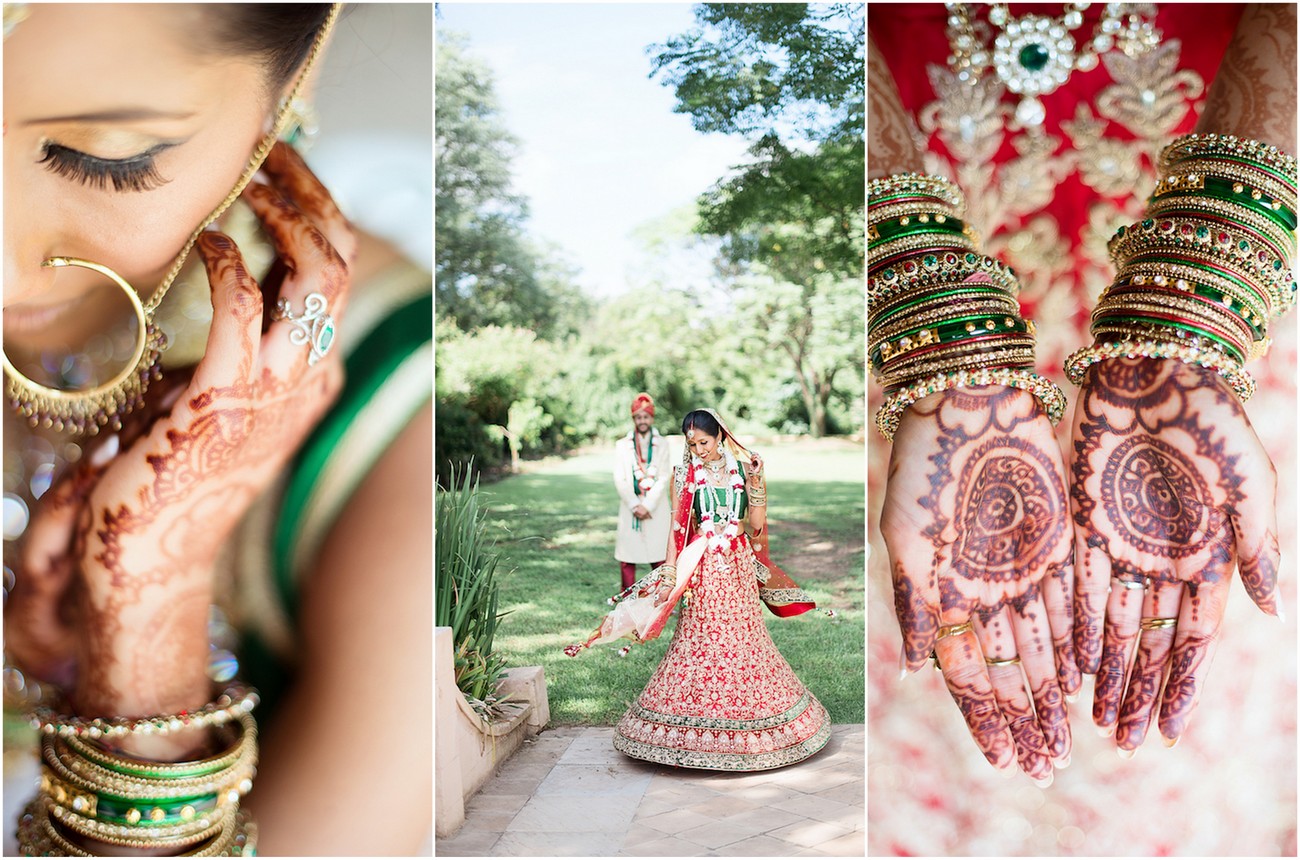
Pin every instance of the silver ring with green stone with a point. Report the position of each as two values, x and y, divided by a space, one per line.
314 327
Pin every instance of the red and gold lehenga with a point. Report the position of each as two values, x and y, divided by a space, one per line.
723 697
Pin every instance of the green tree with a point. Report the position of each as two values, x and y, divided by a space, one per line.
486 271
789 77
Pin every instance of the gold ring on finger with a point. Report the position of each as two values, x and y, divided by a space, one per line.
1157 623
1132 584
954 630
1009 661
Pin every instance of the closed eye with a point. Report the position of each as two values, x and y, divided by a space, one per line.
136 173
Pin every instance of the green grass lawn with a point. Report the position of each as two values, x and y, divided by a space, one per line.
555 528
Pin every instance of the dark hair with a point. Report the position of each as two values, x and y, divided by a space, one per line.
701 420
280 33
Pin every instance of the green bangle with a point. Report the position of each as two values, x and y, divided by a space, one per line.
953 331
916 225
1253 321
1228 191
972 290
1187 326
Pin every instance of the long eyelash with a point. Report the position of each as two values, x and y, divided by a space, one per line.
137 173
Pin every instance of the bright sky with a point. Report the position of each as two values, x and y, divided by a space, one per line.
601 150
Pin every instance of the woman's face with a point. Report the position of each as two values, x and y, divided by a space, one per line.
122 131
703 445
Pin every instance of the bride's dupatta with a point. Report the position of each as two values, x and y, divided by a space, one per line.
635 616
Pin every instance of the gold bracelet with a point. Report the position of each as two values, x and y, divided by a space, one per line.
1192 352
1186 208
1185 277
1222 248
942 190
1019 357
1049 396
943 310
1193 146
227 706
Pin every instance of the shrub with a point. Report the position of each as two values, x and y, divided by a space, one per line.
466 591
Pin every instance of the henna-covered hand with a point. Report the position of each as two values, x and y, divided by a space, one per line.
1170 488
144 527
977 526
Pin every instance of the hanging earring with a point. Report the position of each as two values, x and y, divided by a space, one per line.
302 126
86 411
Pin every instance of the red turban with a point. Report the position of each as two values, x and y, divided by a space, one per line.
643 403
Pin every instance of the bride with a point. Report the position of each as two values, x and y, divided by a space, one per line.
723 697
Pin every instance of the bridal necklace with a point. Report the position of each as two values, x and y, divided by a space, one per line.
1034 55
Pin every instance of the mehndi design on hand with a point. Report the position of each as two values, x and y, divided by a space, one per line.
978 474
1170 489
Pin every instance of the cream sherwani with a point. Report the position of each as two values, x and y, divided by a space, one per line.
648 543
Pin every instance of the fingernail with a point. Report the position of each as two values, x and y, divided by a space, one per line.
1123 753
211 228
1281 613
902 665
1045 781
260 178
1105 731
1063 762
1170 743
1071 697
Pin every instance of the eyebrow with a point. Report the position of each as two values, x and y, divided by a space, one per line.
119 115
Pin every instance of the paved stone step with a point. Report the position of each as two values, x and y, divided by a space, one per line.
569 793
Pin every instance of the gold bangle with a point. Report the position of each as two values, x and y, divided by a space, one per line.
924 184
1191 146
227 706
1009 358
1184 277
1049 396
1077 364
902 377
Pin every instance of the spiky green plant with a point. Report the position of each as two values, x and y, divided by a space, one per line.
466 591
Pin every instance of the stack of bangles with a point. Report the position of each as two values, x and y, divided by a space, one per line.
940 315
758 495
667 575
1202 275
90 794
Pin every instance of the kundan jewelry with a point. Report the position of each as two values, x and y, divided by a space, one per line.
1034 55
86 411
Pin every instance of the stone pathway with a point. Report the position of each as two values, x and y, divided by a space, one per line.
569 793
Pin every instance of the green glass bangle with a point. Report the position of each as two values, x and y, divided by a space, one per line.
118 812
1108 319
1226 191
976 289
950 332
1286 181
1231 278
915 225
1129 288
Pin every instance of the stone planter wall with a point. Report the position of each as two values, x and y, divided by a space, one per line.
468 750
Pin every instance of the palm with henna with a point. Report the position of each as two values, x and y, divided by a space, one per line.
1170 489
976 522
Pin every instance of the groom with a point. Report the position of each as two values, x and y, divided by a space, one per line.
642 474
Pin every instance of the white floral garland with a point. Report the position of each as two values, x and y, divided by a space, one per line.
710 517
